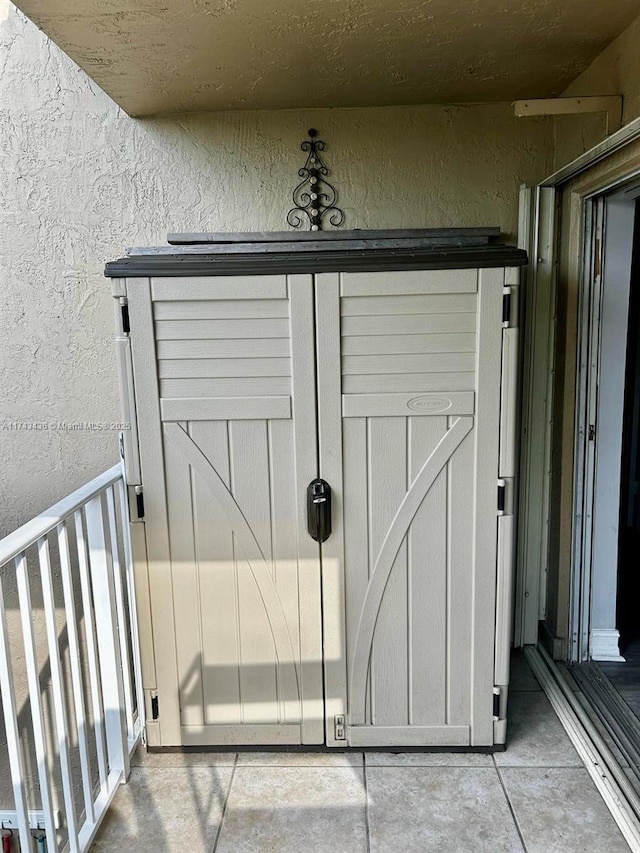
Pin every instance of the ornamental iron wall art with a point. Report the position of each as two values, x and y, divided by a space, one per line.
314 198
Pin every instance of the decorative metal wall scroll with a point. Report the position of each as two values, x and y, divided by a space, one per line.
314 198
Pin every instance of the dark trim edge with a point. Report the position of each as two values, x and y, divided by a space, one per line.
327 750
288 263
334 235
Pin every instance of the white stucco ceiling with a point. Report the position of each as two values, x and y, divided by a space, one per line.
160 56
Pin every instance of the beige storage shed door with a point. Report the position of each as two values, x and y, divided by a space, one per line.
225 392
409 418
388 387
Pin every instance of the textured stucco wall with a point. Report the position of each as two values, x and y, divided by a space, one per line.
80 181
615 71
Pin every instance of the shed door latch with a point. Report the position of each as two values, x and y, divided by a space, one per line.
319 510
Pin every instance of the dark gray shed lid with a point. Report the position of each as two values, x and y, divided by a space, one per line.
320 251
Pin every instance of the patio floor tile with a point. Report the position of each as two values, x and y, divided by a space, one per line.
179 808
520 675
300 759
535 737
295 810
428 759
559 810
461 809
142 758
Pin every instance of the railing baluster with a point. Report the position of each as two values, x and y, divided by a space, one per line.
61 721
76 677
108 644
35 700
12 730
131 598
92 655
122 618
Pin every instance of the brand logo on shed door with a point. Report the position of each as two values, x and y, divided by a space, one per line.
429 404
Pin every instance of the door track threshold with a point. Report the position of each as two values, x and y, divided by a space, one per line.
608 776
613 712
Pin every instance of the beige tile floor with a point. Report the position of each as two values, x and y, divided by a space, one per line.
535 797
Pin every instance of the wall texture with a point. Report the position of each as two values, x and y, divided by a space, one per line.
616 71
80 181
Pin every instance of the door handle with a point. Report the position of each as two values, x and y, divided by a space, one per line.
319 510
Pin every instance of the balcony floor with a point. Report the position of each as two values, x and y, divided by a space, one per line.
536 797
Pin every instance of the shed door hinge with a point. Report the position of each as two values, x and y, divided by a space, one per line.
592 432
496 703
506 307
339 729
139 501
124 311
502 490
155 712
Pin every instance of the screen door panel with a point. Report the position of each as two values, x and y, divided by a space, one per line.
236 403
419 364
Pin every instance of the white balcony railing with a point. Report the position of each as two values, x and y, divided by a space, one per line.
69 671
